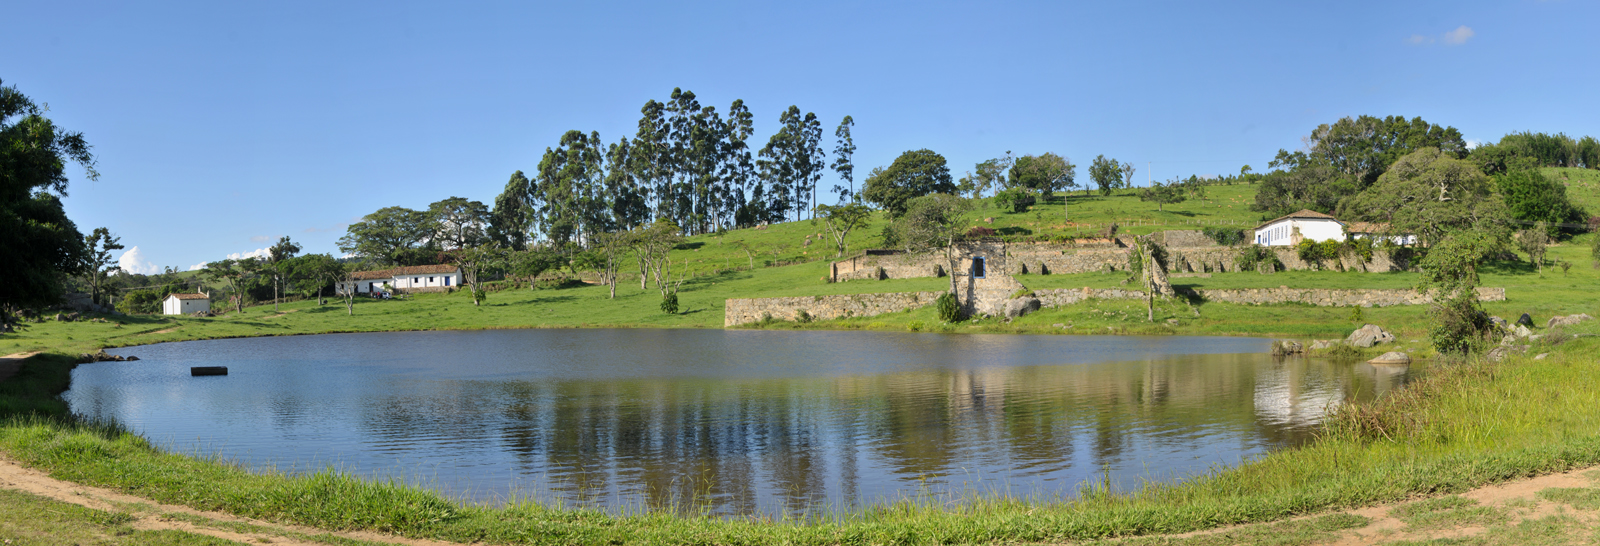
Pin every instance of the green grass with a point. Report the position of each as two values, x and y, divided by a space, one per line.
31 520
1583 186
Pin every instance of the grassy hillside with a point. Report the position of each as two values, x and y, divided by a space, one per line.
1583 186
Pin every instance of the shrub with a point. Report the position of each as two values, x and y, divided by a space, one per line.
801 316
1224 236
1313 251
1462 325
1255 256
1015 199
669 304
947 306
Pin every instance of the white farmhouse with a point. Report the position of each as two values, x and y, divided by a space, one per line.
1306 225
183 304
417 278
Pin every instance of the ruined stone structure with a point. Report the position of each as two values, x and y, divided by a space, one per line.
748 310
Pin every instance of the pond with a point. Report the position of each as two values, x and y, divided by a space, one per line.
735 422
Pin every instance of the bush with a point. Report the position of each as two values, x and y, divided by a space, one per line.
1224 236
947 306
1462 325
1015 199
801 316
1312 251
1254 256
669 304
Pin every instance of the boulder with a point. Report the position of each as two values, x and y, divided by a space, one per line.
1500 353
1021 306
1525 320
1392 358
1499 322
1324 343
1568 320
1287 347
1541 356
1521 331
1368 335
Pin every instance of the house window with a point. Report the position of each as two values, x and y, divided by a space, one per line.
978 267
430 280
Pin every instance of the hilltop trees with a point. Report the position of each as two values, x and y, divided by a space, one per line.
914 174
40 245
1106 174
1346 157
1429 193
97 261
392 235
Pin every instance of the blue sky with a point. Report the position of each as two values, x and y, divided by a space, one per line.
220 126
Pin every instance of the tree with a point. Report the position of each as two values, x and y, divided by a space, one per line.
234 273
1530 197
1363 148
914 174
345 273
512 218
1167 193
1315 187
1428 193
1533 242
458 223
841 219
1450 270
793 162
1147 263
843 150
314 272
1127 175
388 235
40 246
474 263
531 263
612 245
934 222
653 244
987 174
97 263
1105 173
1044 174
276 256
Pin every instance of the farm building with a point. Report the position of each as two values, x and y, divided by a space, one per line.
417 278
1306 225
183 304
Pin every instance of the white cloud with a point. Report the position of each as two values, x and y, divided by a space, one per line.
1418 39
257 253
198 266
133 261
1459 36
261 238
1473 143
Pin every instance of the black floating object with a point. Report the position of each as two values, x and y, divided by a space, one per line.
208 370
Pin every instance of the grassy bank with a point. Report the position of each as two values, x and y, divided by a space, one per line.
1464 425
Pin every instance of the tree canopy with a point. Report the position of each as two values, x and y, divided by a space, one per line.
1428 193
914 174
40 244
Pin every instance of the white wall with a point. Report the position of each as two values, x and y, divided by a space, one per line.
1281 233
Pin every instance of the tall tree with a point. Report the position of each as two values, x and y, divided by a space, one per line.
458 223
98 263
276 257
1043 174
1106 173
40 245
914 174
934 222
234 273
515 209
475 262
739 168
1168 193
624 197
841 220
312 273
652 155
1127 175
844 149
1429 193
388 234
987 174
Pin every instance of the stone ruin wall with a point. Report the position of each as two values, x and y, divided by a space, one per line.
749 310
745 311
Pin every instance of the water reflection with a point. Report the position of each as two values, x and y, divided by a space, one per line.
738 423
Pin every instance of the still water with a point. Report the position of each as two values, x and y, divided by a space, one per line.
739 422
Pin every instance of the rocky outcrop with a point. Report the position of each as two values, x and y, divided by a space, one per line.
102 356
1367 336
1285 347
1021 306
1568 320
1391 358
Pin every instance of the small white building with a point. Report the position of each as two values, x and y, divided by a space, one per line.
417 278
1363 230
1306 225
183 304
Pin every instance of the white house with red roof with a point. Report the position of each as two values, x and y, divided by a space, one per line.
183 304
1306 225
415 278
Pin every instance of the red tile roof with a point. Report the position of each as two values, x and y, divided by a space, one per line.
405 271
189 296
1304 213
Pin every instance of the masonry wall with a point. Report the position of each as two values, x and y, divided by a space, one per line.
745 311
748 310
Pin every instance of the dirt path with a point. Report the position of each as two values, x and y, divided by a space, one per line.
153 516
1494 514
10 363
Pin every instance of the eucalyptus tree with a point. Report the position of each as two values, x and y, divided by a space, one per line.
568 176
793 162
651 156
844 150
515 209
97 262
738 170
624 196
275 262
